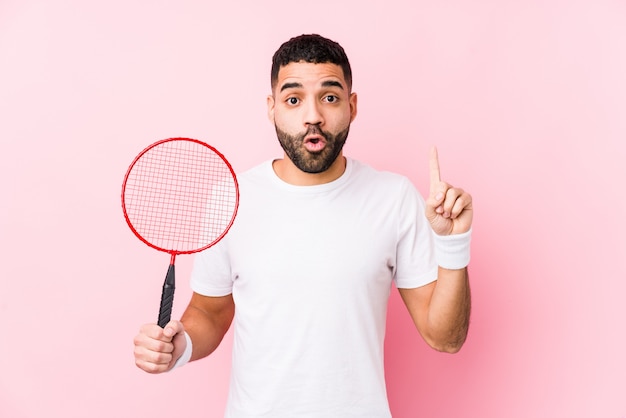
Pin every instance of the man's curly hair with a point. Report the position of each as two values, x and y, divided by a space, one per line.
313 49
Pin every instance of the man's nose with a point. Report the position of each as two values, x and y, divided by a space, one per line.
313 114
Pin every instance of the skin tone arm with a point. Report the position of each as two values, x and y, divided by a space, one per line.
206 320
441 310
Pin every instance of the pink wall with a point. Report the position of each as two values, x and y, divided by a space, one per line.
526 101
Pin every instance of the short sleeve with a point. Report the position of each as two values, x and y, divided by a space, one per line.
415 259
211 273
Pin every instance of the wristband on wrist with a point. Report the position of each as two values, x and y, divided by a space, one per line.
452 252
186 356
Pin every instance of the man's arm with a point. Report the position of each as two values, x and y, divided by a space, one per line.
441 309
206 320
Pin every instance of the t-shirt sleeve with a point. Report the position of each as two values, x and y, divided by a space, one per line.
415 259
211 273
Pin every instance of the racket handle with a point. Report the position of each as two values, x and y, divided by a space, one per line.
167 297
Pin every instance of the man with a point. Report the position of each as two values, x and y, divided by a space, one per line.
309 262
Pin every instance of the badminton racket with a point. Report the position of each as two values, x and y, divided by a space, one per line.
179 196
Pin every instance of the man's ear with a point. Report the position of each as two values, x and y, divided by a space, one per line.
353 101
270 108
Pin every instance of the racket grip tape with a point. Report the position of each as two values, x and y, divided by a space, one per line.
167 297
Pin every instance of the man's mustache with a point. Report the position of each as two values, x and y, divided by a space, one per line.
315 130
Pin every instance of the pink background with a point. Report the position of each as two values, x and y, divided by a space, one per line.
526 101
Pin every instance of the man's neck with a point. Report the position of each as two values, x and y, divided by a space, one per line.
287 171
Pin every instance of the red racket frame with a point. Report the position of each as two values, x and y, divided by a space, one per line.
169 283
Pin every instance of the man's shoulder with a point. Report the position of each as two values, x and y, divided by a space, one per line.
256 170
374 176
260 173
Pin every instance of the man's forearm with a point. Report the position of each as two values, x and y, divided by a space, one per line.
449 310
207 320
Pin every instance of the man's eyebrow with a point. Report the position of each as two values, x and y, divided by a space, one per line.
296 85
332 83
290 86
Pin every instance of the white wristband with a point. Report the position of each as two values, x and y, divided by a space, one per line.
186 356
452 252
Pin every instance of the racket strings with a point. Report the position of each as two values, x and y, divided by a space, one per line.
180 196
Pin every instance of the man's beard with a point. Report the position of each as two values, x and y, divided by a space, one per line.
312 162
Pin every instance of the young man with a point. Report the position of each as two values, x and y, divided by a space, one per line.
309 262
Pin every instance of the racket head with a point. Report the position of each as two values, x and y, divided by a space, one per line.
180 196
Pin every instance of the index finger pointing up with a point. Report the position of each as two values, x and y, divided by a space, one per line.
435 176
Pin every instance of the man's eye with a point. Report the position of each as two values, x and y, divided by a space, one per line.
331 99
292 101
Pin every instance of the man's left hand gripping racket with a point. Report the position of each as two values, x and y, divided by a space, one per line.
179 196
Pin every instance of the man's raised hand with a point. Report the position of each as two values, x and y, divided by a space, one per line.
448 208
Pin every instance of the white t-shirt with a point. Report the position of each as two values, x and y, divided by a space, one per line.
310 269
